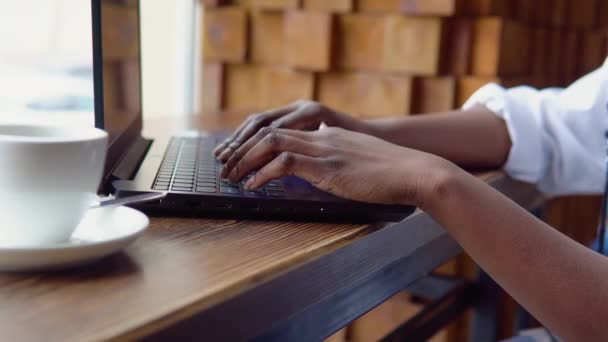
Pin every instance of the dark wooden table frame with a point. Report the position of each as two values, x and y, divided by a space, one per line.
355 279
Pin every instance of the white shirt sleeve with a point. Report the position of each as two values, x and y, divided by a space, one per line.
557 134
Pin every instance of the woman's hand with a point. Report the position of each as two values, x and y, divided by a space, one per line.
301 115
347 164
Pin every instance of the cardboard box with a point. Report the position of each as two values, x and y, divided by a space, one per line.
582 14
360 43
255 88
267 38
593 51
459 46
275 4
413 44
434 95
366 95
308 40
337 6
414 7
225 34
501 48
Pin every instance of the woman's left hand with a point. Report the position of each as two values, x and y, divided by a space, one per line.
347 164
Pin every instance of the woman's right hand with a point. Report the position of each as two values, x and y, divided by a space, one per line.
300 115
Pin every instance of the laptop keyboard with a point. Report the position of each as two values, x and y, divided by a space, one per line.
190 166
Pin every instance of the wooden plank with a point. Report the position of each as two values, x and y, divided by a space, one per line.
571 51
501 48
433 94
459 46
556 12
275 4
602 14
338 6
540 53
482 8
467 86
253 87
379 6
444 8
240 87
280 86
413 44
526 10
361 42
554 62
212 86
225 34
267 37
581 14
366 95
308 40
593 47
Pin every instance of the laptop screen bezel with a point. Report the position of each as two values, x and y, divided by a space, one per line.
117 146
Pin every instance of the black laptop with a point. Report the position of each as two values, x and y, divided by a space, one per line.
183 166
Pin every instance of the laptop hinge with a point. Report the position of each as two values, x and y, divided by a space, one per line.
132 159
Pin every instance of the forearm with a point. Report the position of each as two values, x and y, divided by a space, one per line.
473 138
560 282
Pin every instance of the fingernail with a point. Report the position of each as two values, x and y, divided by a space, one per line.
249 183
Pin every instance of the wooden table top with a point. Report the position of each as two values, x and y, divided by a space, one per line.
231 279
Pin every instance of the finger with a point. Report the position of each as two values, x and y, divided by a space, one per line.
287 164
253 125
272 145
224 145
236 156
298 119
253 119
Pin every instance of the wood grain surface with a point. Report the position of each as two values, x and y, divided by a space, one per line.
230 279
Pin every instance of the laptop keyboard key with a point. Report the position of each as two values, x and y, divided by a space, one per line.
180 188
230 190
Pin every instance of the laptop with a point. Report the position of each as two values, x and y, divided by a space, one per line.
184 166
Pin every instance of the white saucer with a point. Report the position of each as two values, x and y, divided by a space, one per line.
102 232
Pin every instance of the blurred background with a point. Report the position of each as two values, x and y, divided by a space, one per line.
46 58
370 58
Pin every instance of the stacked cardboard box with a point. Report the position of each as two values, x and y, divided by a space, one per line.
374 58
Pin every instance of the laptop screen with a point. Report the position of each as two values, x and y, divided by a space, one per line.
117 74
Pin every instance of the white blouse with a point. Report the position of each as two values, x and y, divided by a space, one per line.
558 135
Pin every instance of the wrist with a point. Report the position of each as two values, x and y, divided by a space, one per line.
445 181
348 122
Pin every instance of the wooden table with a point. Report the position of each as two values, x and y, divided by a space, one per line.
233 280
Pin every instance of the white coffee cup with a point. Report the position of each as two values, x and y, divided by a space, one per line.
49 176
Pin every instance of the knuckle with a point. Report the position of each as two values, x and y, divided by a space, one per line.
273 138
237 155
287 159
264 131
